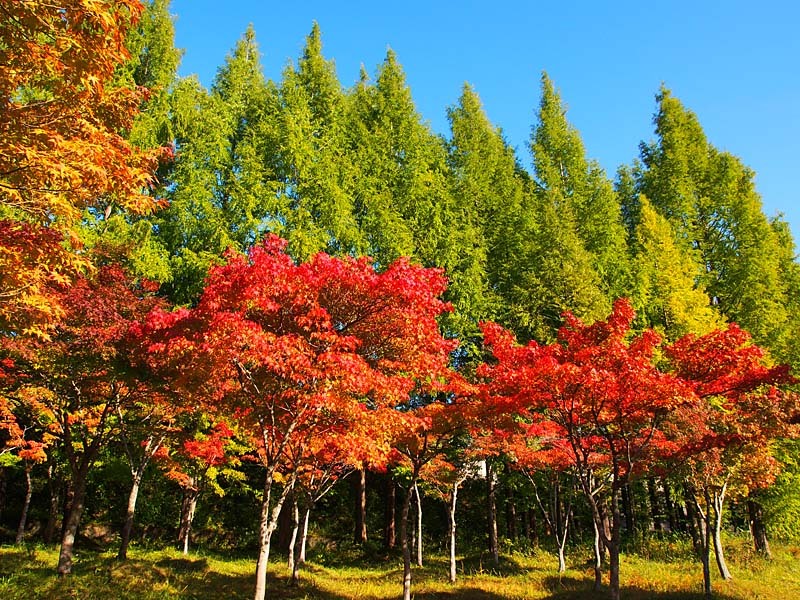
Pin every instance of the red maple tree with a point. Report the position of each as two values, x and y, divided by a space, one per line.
289 350
84 375
723 441
599 400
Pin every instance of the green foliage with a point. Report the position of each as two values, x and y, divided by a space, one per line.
316 210
665 294
709 198
489 201
579 261
781 501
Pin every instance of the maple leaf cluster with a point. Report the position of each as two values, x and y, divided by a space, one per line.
62 124
599 401
295 351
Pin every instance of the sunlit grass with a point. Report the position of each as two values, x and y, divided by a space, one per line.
29 573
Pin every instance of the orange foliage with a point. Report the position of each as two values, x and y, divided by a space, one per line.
62 122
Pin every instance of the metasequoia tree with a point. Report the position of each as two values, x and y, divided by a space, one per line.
291 351
603 401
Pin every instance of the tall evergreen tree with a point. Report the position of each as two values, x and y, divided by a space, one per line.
402 199
787 348
222 191
665 294
564 274
710 200
489 202
313 165
380 217
674 165
579 186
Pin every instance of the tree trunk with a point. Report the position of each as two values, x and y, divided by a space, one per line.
562 559
598 559
66 506
52 513
292 564
491 505
703 520
419 524
627 508
127 527
3 489
655 512
719 499
532 531
613 547
404 538
71 524
511 515
26 505
694 521
452 533
304 537
669 505
389 531
758 530
561 541
360 485
267 524
188 507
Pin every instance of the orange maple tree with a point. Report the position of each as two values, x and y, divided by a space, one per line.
83 376
723 441
62 121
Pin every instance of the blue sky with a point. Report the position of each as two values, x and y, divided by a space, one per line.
736 64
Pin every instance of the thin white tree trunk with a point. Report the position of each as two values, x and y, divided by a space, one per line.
304 537
188 519
419 524
452 515
23 519
293 541
719 499
267 525
598 559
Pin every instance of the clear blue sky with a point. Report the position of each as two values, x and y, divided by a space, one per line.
736 64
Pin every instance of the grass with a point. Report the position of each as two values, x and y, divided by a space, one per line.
28 573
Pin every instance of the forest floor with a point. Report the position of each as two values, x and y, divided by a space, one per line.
29 573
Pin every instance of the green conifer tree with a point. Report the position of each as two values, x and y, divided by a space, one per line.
313 163
490 203
665 294
564 274
580 186
709 198
223 189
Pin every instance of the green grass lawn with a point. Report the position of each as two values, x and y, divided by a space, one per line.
28 573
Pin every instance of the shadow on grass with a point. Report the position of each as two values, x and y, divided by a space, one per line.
183 565
482 564
461 593
574 588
